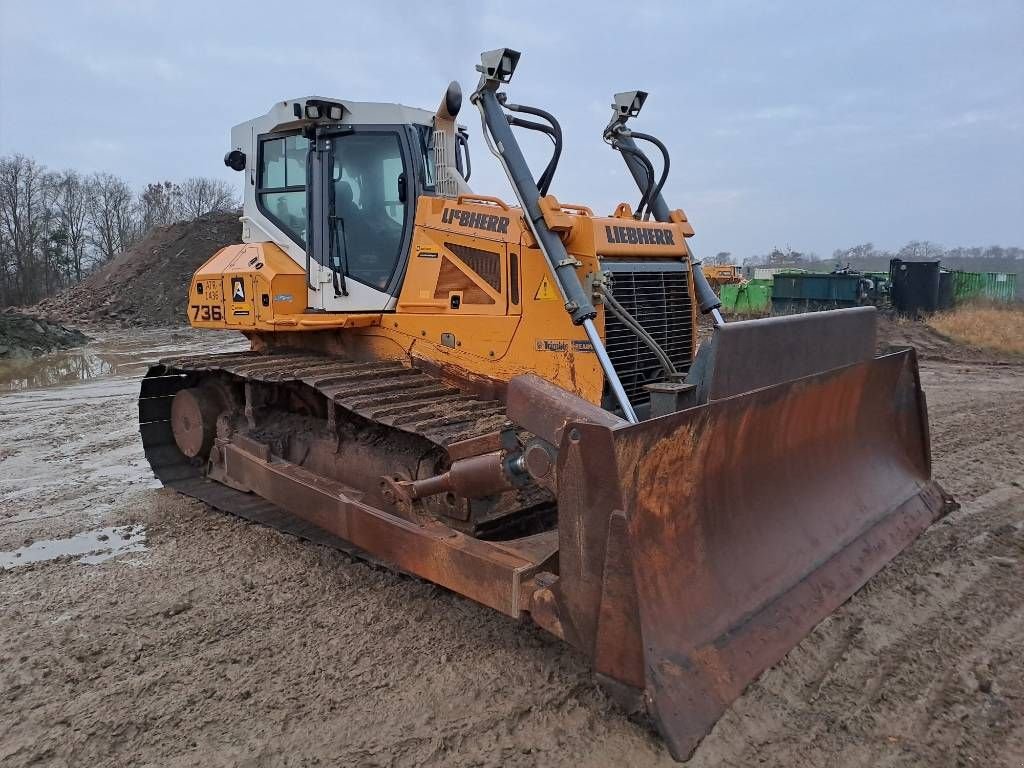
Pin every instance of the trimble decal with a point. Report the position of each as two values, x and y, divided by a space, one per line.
563 345
475 220
639 235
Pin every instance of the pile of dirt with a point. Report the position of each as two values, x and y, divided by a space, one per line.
146 285
898 333
25 336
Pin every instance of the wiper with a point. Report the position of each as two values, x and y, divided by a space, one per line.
338 259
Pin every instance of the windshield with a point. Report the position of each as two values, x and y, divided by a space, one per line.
368 172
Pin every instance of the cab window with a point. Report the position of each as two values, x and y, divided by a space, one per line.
281 184
369 209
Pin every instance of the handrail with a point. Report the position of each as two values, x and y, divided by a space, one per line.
581 210
483 199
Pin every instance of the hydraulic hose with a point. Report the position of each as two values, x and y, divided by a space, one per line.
634 325
548 174
664 171
648 188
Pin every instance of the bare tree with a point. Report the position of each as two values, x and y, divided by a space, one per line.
160 205
112 215
921 250
71 206
23 222
200 196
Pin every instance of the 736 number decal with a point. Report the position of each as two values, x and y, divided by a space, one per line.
207 312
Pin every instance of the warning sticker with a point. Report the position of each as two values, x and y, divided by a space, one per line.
546 291
237 289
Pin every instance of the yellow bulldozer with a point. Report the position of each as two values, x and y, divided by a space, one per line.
510 400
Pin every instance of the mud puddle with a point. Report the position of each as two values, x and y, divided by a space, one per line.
70 432
111 354
92 547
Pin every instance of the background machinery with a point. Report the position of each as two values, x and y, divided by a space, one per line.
510 401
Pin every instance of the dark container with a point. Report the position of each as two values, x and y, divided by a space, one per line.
813 291
947 296
915 287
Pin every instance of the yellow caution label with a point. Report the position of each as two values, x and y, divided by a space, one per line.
546 291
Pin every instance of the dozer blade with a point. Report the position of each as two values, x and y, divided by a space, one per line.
752 517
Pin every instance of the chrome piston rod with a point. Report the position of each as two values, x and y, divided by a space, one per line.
502 143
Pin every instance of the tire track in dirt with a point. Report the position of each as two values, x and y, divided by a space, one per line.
229 644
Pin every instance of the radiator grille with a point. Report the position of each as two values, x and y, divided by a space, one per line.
661 302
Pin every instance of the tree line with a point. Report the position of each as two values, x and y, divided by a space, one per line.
991 258
57 226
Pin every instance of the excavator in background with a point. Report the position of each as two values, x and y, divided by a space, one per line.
510 401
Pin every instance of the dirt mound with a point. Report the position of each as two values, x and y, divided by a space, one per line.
898 333
24 336
146 285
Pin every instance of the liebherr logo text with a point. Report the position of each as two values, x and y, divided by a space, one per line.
475 220
639 235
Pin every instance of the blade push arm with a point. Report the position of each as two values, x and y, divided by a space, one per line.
496 69
620 138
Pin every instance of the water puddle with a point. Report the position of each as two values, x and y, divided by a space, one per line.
92 547
112 353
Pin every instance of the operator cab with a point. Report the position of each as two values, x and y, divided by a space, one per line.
334 184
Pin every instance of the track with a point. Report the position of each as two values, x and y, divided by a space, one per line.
386 393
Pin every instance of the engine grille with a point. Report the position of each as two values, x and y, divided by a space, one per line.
661 302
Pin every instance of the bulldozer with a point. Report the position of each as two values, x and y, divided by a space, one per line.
512 402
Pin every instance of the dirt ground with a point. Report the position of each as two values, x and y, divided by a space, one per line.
216 642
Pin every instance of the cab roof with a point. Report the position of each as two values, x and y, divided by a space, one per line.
282 116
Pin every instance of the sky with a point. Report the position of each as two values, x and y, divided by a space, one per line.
811 125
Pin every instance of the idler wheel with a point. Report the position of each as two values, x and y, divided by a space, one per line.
194 415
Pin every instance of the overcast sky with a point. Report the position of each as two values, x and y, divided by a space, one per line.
815 125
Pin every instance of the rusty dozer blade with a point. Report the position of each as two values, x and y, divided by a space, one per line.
735 526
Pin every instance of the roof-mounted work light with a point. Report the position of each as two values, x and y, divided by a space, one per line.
498 65
317 109
624 106
629 103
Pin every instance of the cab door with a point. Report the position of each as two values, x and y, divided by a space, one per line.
362 196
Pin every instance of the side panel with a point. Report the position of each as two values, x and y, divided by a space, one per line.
252 286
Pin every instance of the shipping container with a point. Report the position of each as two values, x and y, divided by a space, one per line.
915 286
946 290
767 273
993 286
811 292
750 298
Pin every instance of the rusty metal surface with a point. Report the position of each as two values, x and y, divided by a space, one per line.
403 420
177 471
289 498
618 646
544 409
753 518
489 574
750 354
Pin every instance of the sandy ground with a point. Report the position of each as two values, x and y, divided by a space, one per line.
223 643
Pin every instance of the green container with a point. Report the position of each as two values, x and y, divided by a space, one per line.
752 298
812 291
993 286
